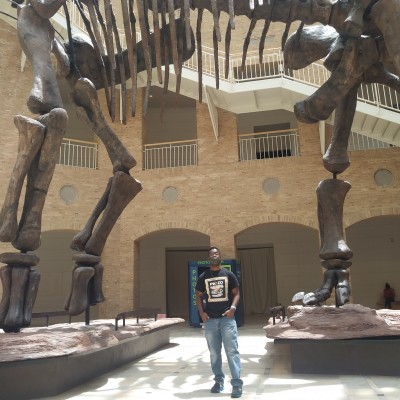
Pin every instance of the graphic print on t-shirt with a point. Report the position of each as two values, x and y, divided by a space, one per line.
217 289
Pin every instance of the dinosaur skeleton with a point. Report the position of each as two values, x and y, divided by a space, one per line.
358 40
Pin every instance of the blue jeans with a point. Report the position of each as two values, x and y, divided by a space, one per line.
220 331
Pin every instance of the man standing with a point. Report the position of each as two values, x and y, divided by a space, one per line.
221 289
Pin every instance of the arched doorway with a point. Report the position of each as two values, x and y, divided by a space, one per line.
163 268
375 243
278 260
55 267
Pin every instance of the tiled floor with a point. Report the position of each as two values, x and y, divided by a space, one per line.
181 371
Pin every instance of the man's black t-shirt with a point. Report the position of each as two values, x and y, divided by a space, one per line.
217 286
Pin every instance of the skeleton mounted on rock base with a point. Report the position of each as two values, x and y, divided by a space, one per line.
358 40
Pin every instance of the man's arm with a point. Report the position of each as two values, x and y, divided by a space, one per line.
199 301
235 301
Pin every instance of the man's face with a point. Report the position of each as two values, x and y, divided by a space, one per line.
215 257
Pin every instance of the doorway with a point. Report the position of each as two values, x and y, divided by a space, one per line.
259 279
177 279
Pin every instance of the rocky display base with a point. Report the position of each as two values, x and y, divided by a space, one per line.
367 356
348 340
351 321
54 359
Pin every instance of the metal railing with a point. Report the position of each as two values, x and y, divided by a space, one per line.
273 67
77 153
379 95
358 142
142 312
170 154
52 314
266 145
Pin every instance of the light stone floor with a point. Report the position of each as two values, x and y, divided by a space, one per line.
181 371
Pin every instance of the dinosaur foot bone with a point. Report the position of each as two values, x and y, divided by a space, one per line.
337 279
20 286
77 300
95 286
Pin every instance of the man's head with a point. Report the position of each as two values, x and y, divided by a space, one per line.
214 256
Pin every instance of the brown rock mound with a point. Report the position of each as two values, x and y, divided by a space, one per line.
62 339
327 322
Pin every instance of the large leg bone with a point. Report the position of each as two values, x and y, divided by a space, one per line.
20 286
89 110
38 181
15 315
331 194
123 189
5 276
334 251
96 296
336 158
31 135
79 241
36 36
30 296
86 286
358 55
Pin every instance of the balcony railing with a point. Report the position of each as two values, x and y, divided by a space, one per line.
77 153
272 66
170 155
361 142
266 145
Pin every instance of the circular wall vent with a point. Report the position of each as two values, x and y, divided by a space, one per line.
170 194
271 186
68 194
383 177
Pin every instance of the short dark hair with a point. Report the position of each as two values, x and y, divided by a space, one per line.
214 247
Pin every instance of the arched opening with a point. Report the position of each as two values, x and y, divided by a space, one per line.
163 268
376 254
278 260
55 267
